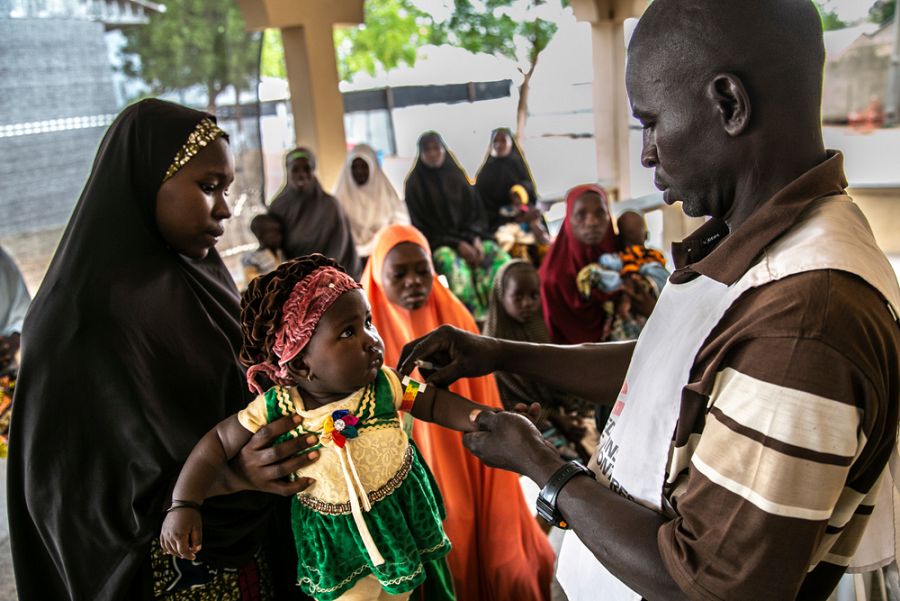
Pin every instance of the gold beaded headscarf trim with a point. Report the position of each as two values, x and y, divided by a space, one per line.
205 133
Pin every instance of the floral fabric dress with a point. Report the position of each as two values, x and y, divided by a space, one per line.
374 507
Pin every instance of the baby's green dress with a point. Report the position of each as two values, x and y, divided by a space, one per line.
406 510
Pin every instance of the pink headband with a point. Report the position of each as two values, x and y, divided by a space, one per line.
310 298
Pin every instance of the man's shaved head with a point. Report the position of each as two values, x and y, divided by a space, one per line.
733 78
775 46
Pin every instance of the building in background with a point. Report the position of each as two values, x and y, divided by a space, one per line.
56 99
856 69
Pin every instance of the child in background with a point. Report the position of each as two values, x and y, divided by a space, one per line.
636 257
614 271
269 233
371 516
524 237
515 314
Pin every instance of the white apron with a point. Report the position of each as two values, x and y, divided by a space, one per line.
633 453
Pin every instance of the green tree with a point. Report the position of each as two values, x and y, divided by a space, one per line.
830 19
882 11
271 62
391 35
491 26
194 42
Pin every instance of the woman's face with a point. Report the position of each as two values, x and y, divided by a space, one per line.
359 170
502 145
300 174
590 219
192 205
407 277
433 154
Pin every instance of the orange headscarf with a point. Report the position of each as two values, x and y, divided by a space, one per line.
499 553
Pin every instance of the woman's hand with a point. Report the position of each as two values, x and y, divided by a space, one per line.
182 533
587 279
479 248
454 353
529 216
9 346
571 426
261 466
642 299
468 253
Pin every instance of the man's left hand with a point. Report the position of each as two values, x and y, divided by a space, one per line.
510 441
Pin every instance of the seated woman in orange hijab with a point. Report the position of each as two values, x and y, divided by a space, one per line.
499 552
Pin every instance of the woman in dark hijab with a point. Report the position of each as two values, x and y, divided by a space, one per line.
444 206
509 196
314 221
129 357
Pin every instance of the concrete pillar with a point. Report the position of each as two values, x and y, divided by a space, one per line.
611 110
315 97
307 28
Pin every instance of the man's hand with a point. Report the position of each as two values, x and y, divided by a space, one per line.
261 466
454 353
510 441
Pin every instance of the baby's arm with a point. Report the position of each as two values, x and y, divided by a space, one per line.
182 529
446 409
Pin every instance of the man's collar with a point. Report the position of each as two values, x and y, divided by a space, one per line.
724 257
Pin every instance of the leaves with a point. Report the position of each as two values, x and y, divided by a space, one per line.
510 28
882 11
393 32
272 60
830 18
194 42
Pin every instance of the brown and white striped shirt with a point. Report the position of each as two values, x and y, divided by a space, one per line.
788 421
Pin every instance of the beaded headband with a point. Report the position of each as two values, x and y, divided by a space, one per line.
204 134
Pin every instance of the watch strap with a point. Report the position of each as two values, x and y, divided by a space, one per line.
546 502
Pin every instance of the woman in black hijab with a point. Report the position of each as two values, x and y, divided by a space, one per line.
509 195
314 221
129 357
445 207
503 167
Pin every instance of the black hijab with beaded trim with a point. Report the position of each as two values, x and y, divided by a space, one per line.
129 357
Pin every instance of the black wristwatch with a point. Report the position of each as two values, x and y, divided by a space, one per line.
546 501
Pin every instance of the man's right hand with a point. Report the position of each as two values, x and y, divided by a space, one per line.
261 466
455 354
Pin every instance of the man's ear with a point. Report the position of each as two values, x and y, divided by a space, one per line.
730 96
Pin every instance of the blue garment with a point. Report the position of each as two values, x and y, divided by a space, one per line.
656 273
14 297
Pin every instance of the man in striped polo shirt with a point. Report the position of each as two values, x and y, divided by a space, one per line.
753 421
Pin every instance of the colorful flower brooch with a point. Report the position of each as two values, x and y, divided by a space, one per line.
338 427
